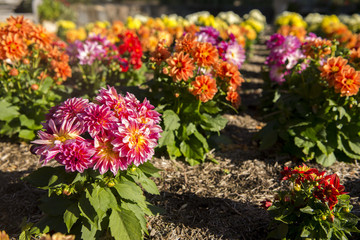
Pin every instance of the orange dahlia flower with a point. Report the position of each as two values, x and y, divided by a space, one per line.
234 98
354 55
317 48
204 88
19 25
186 43
347 82
42 37
12 46
62 70
205 54
160 54
181 66
333 66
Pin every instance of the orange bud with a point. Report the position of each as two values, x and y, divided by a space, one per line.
165 71
34 86
177 95
26 61
14 72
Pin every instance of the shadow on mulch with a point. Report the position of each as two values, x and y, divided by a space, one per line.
18 201
221 217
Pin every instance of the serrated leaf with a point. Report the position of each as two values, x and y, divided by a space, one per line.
130 191
48 203
192 149
148 185
124 225
140 215
173 151
71 215
29 123
167 138
40 177
171 120
87 209
88 232
213 124
8 111
203 140
210 107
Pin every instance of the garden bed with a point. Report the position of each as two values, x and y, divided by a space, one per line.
208 201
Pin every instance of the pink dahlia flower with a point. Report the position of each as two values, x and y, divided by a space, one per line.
97 118
69 109
76 155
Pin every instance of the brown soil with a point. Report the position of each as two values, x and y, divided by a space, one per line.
209 201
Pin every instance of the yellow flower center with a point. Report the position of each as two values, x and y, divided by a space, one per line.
335 68
42 35
137 139
349 81
18 25
13 46
179 65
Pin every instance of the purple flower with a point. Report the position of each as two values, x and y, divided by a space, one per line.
208 34
89 52
275 41
277 74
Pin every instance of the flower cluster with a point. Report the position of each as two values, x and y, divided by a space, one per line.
314 201
23 42
109 134
285 53
198 64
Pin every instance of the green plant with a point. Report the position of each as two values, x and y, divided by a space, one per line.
53 10
315 207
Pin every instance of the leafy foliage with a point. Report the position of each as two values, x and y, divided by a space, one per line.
93 206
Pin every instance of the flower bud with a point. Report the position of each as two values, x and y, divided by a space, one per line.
133 169
165 71
26 61
297 187
323 217
331 218
14 72
346 209
287 198
177 95
66 191
111 183
34 86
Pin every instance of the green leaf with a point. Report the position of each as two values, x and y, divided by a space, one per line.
203 140
268 136
45 86
191 128
192 149
88 232
173 151
71 215
305 232
326 160
48 203
26 134
167 138
307 210
171 120
148 184
29 123
140 215
210 107
87 209
214 124
130 191
149 169
124 225
7 111
40 178
280 232
354 146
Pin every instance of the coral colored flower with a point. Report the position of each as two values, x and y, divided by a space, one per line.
204 88
133 141
347 82
205 54
76 155
19 25
234 98
160 54
105 157
12 46
333 66
42 37
98 118
48 146
62 70
355 55
316 47
186 43
14 72
68 110
181 66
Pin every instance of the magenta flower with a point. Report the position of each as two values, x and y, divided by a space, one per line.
69 109
277 74
208 34
105 157
48 146
113 100
235 54
97 118
76 155
133 141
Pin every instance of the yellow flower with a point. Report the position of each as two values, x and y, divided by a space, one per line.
76 34
132 23
65 24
